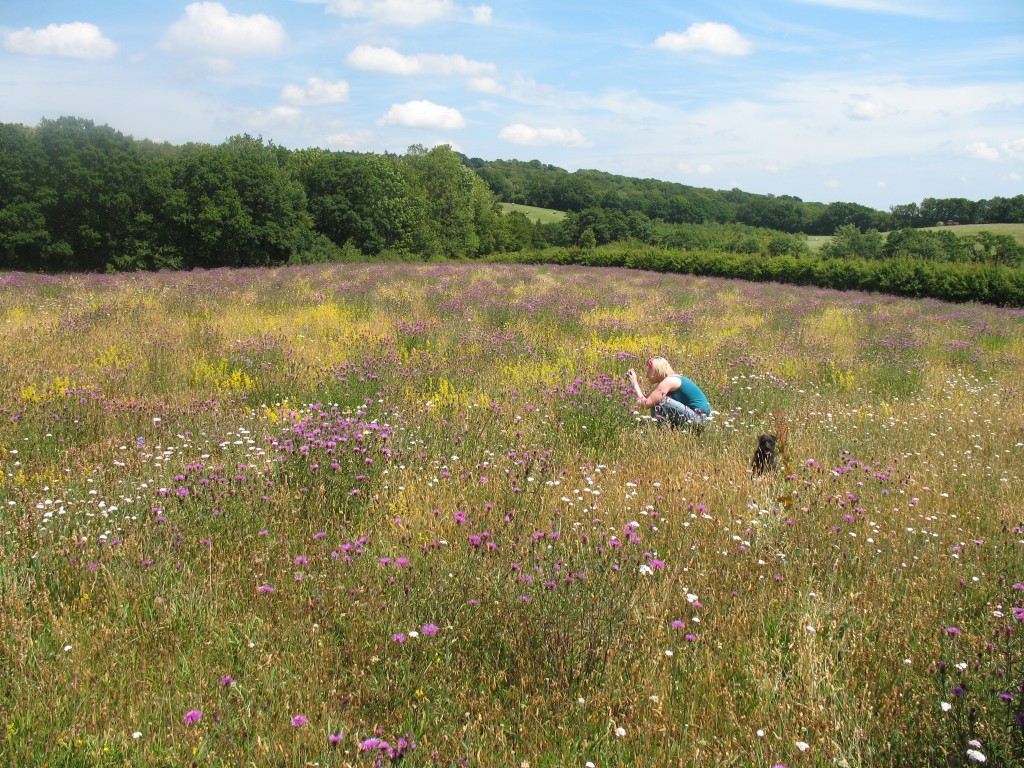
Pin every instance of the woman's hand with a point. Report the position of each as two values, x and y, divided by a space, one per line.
631 375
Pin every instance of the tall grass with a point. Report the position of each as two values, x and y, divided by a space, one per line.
347 515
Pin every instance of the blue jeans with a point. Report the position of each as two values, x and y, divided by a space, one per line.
678 415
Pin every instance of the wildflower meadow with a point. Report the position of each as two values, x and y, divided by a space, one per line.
376 514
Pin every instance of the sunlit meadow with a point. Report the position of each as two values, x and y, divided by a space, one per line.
377 514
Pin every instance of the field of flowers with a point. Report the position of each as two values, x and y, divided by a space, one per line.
377 514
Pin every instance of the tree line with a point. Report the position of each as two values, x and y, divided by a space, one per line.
546 186
75 196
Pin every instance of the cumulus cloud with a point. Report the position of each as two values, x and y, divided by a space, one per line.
981 151
1014 149
406 13
209 30
526 135
486 85
78 40
867 108
348 140
482 14
380 59
316 91
423 114
1008 150
706 36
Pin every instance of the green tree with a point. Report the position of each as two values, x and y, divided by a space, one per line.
906 216
23 228
458 201
96 205
850 242
237 205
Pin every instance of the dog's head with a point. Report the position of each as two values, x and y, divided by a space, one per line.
766 443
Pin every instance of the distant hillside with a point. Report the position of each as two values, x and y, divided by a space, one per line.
540 185
1014 230
542 215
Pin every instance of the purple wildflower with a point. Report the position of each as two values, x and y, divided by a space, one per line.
298 721
192 716
430 629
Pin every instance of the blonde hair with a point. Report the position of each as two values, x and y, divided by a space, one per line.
658 368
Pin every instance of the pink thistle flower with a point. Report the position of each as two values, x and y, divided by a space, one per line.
265 588
430 629
298 721
227 680
398 637
192 716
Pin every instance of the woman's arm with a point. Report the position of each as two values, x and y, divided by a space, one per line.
657 394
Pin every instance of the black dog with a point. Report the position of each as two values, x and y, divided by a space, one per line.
764 456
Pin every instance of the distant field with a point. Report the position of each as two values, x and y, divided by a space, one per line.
814 242
1016 230
543 215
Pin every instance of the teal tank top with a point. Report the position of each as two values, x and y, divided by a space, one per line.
690 395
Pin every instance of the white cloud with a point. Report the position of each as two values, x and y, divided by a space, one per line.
406 13
389 60
208 29
1014 149
706 36
316 91
524 134
348 140
482 14
867 108
486 85
703 168
832 184
267 121
981 151
423 114
77 41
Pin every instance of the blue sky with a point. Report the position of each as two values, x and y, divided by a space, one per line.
878 102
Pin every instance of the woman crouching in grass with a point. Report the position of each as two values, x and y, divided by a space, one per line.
675 399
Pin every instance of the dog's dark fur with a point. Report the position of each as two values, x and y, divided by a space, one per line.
764 456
